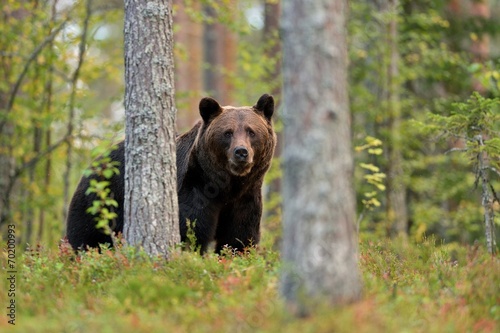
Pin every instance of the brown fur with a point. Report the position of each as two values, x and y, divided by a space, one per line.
218 188
218 191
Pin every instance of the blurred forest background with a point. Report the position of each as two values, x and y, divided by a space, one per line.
61 104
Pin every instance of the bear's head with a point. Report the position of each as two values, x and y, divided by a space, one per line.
238 140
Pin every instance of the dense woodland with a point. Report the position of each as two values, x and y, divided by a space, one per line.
410 62
424 96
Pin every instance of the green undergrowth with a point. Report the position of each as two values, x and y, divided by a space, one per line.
408 288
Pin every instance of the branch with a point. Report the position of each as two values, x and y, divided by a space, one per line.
19 170
76 73
31 58
456 149
493 169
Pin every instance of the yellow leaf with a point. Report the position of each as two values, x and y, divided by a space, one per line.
370 167
375 151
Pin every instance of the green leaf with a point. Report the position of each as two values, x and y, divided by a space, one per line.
111 202
108 173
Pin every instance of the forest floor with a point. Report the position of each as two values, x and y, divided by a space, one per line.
407 288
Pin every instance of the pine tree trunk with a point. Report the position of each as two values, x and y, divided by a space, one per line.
188 64
320 241
486 198
151 211
480 46
272 12
220 56
397 214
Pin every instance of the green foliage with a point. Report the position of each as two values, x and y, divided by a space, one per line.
102 170
256 68
423 288
217 11
42 63
435 70
475 124
191 243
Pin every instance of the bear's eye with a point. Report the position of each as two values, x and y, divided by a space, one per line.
228 134
251 133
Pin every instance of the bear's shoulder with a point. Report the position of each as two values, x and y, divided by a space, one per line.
185 143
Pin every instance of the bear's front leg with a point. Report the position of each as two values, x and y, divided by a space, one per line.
239 223
201 214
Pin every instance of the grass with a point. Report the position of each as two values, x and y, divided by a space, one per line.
408 288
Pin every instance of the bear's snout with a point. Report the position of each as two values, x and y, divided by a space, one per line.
240 154
240 160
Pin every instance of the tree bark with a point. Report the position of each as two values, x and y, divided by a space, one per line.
151 209
480 47
220 57
188 65
487 198
272 11
8 92
397 213
320 242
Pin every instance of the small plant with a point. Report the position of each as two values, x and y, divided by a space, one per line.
191 242
373 177
425 287
102 170
474 125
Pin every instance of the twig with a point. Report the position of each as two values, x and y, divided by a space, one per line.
493 169
456 149
495 197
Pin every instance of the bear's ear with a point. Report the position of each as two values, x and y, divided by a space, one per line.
265 104
209 109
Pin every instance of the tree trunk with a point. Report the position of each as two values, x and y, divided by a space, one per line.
272 10
151 211
480 46
220 57
320 242
48 132
30 209
486 198
188 65
6 166
8 91
397 214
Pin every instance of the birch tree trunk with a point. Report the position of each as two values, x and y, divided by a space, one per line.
151 211
320 242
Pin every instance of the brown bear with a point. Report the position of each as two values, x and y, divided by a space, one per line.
221 163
